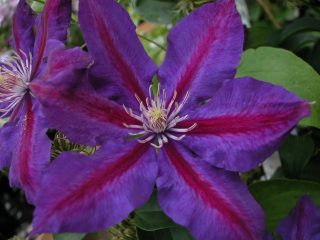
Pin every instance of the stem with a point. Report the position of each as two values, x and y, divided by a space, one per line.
40 1
83 45
270 15
153 42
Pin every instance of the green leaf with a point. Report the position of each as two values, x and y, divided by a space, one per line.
281 67
163 234
150 216
300 25
37 6
69 236
259 34
311 171
179 233
175 233
157 11
295 153
279 197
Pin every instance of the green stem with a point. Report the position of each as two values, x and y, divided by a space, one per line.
40 1
153 42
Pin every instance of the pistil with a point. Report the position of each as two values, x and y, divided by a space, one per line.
15 75
158 120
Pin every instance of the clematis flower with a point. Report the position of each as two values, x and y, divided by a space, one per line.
302 223
24 144
191 137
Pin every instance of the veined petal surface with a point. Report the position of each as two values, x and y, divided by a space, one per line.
22 38
52 23
244 123
31 152
212 203
121 64
8 139
204 50
86 194
72 106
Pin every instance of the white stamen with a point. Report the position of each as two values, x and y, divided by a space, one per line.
15 76
159 119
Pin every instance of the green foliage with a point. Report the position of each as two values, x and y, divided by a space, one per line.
153 224
69 236
150 217
295 154
283 68
165 234
279 197
62 144
157 11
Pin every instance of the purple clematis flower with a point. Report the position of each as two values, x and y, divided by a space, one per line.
303 223
24 144
202 123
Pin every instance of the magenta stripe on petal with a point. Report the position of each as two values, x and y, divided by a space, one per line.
53 24
101 178
204 49
200 54
24 149
22 28
31 152
105 189
43 41
243 124
127 75
207 191
92 106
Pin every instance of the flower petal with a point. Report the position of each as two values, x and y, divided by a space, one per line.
120 60
53 23
212 203
32 151
302 223
86 194
22 29
72 106
204 50
8 141
244 123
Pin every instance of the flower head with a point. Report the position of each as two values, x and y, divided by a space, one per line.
23 140
158 120
204 122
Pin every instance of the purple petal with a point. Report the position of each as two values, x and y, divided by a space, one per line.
120 59
86 194
62 61
212 203
53 23
31 151
302 223
204 50
22 29
8 139
72 106
244 123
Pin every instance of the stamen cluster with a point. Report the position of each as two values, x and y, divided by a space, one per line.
159 119
15 75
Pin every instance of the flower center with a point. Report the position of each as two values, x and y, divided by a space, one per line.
158 120
15 75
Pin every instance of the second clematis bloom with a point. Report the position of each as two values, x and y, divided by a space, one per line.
303 222
24 145
192 136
